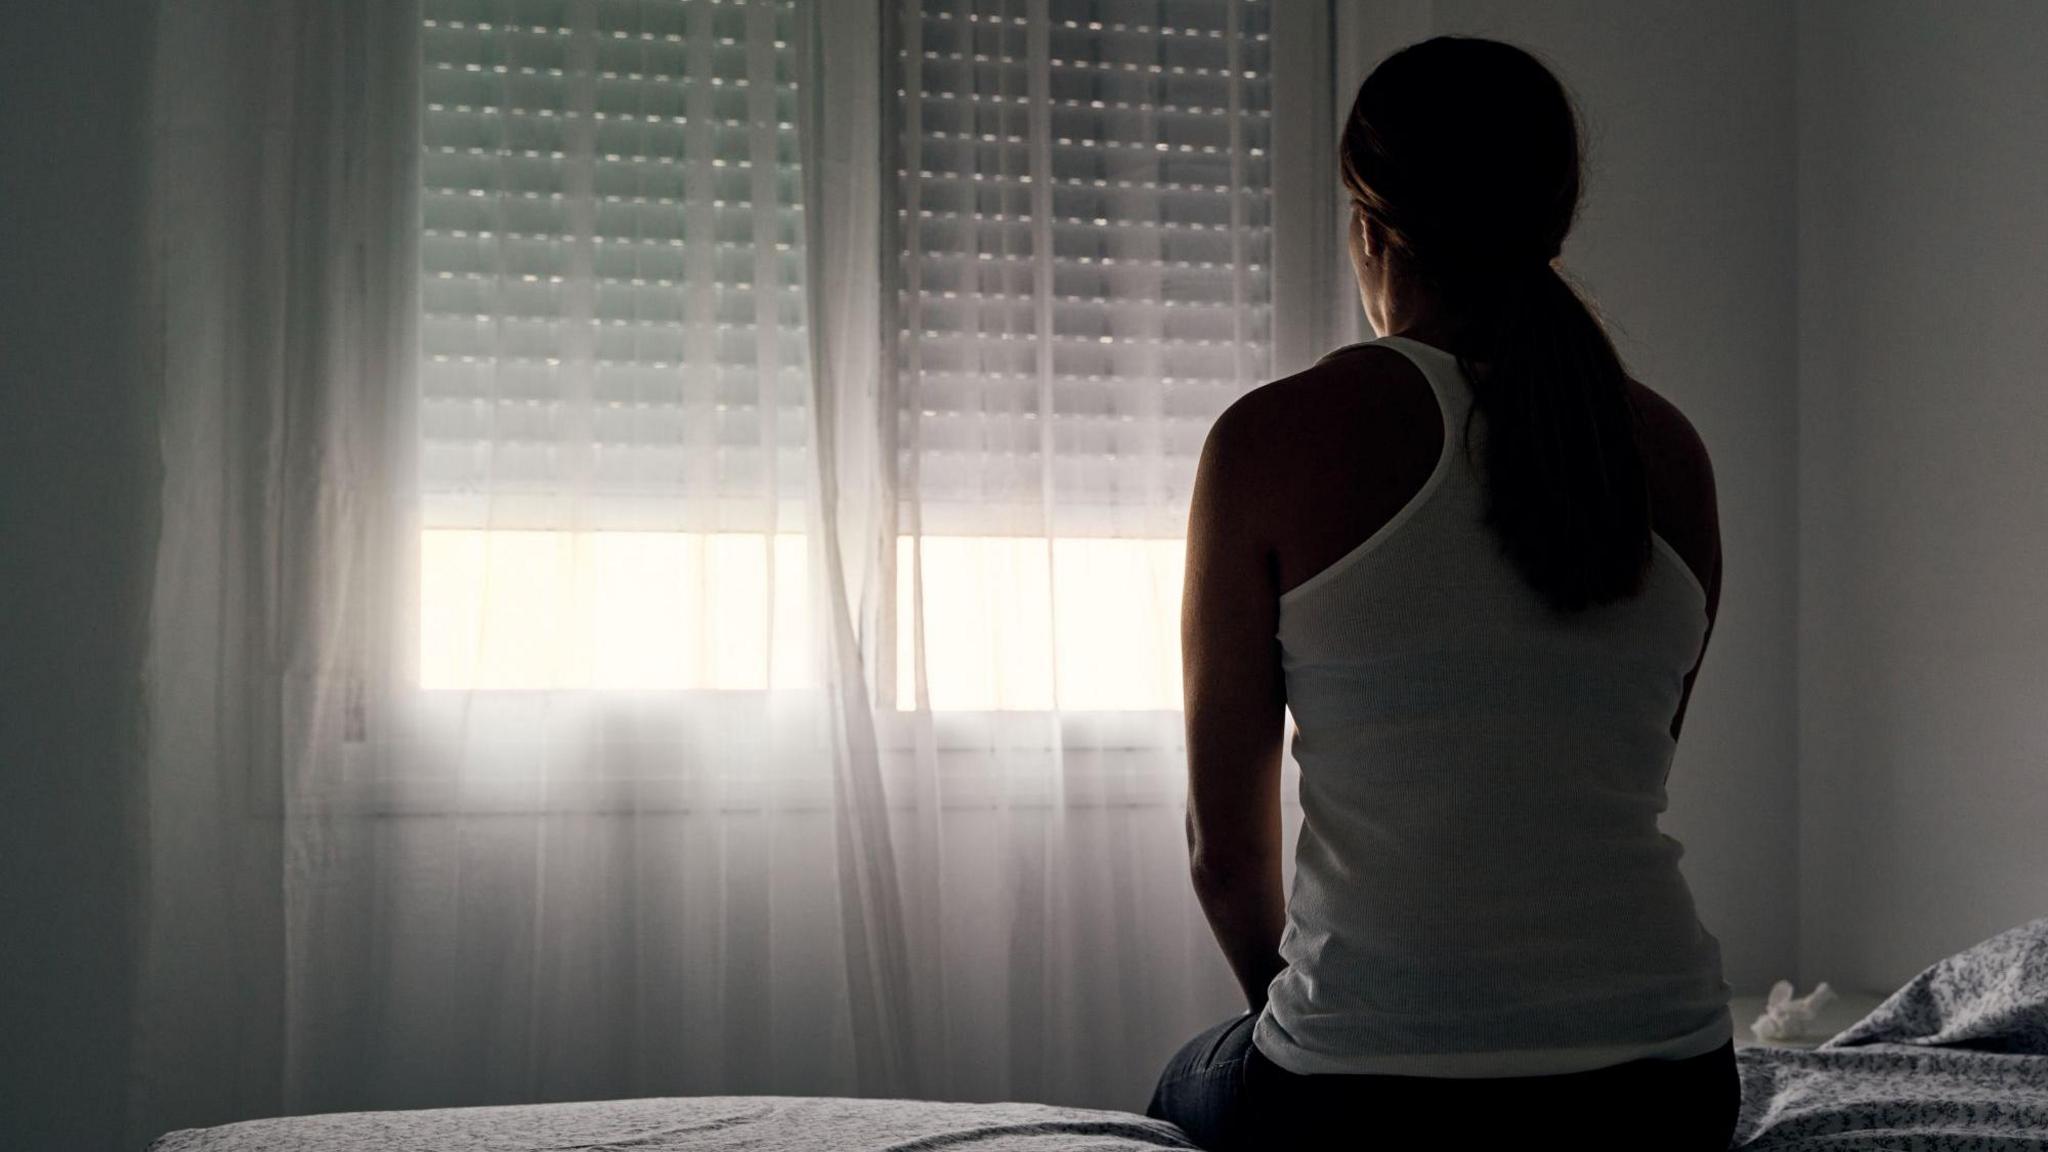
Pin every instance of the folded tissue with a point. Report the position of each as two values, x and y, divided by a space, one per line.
1785 1018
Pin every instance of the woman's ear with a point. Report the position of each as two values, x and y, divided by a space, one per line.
1372 241
1355 238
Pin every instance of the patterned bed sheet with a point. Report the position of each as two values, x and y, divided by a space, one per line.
1954 1061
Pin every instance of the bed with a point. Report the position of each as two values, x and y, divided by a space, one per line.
1955 1060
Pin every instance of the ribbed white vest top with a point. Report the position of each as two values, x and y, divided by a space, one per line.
1480 887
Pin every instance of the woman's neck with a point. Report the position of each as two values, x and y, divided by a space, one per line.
1439 332
1415 312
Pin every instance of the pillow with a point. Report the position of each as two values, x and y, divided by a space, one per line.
1992 997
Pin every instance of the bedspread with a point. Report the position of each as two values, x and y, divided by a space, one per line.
696 1124
1894 1097
1954 1061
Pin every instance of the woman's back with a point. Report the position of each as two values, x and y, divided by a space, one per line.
1487 646
1481 889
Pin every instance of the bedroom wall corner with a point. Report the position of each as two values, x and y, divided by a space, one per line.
1923 483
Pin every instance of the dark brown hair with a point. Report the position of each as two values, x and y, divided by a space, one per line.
1465 156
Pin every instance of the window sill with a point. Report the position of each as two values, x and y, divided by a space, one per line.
513 753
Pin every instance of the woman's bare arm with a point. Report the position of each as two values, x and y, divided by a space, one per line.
1681 476
1236 701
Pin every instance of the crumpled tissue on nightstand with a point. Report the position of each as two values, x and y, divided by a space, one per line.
1787 1019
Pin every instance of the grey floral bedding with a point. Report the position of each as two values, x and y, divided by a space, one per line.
1955 1061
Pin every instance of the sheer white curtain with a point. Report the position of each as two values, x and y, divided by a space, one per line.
671 540
1078 260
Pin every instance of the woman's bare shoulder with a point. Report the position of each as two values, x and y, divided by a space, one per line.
1674 447
1684 506
1316 460
1274 416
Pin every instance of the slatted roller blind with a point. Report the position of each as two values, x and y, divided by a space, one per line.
612 332
1084 267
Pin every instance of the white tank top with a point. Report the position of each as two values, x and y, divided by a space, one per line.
1480 886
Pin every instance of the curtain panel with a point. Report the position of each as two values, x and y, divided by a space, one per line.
671 538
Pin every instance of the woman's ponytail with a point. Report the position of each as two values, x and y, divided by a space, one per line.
1567 492
1464 154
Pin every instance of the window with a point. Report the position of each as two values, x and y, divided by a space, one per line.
1084 221
612 439
612 422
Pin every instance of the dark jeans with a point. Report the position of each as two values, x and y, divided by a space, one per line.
1222 1091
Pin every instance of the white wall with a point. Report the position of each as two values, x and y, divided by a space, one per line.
77 532
1923 480
1686 244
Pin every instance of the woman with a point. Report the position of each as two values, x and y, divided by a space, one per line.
1479 565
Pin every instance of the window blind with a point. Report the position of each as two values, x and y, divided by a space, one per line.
611 255
1084 223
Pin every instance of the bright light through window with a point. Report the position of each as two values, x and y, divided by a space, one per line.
990 609
1009 623
567 610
